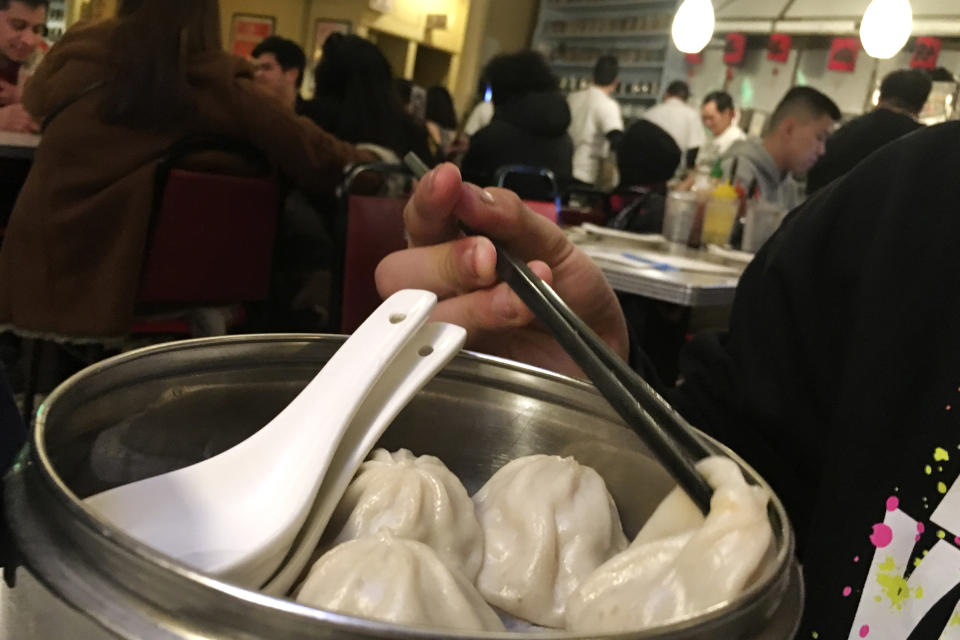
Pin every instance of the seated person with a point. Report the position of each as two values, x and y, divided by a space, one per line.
120 92
794 140
837 380
22 25
529 126
648 158
280 64
445 142
902 95
356 99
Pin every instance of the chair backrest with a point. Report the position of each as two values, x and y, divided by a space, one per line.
212 235
369 228
549 209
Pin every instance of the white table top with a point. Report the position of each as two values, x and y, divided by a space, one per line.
651 267
18 145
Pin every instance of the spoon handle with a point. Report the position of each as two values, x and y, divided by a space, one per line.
422 357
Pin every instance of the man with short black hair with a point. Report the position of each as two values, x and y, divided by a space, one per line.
22 25
718 114
596 124
795 139
280 65
902 95
679 119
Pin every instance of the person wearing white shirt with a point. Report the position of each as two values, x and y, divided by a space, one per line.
480 117
718 115
679 119
596 123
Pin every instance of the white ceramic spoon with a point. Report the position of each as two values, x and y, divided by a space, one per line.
235 515
413 368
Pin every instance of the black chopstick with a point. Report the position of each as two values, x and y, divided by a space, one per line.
669 438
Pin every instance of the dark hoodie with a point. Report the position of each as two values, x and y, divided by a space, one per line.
839 381
531 130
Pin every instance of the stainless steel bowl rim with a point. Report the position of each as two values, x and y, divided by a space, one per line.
88 519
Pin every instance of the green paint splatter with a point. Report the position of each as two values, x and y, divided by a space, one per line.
940 455
918 593
887 565
941 534
926 551
916 562
939 468
927 470
894 587
814 635
878 598
954 620
941 487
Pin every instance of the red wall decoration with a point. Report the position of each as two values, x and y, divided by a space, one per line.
778 49
843 54
694 58
735 48
925 53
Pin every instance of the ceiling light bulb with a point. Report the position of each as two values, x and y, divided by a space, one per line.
886 27
693 25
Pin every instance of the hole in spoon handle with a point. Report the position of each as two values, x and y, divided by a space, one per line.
397 318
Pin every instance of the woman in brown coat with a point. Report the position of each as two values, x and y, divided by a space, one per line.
117 94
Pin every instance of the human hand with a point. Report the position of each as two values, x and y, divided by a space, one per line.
9 93
462 271
15 118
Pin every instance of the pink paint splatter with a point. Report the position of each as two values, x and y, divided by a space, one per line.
856 558
916 538
864 631
847 591
892 503
920 527
948 407
956 540
881 536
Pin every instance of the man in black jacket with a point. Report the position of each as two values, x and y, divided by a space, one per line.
529 126
902 95
839 379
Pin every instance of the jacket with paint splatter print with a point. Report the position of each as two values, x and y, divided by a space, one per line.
838 381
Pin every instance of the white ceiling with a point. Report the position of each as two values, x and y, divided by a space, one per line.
931 17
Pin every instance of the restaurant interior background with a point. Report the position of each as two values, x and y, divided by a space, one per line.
448 41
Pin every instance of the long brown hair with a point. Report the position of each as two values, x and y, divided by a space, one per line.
147 84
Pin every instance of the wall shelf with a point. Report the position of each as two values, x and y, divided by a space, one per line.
605 36
606 4
632 66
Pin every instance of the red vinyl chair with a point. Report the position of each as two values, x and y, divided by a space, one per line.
210 243
550 209
369 227
211 239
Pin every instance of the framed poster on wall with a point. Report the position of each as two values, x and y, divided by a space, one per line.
322 30
247 30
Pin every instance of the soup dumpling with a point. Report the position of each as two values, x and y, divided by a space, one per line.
687 570
548 523
391 579
416 498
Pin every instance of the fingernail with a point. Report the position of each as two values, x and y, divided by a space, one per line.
471 259
503 303
483 194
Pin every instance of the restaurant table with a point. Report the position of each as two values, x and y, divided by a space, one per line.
18 145
664 302
649 266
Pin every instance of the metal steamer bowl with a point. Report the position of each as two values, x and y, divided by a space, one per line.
163 407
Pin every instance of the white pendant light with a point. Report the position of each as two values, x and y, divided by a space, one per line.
693 25
886 27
